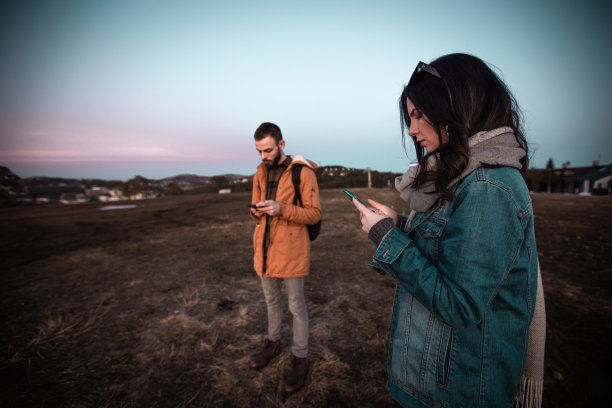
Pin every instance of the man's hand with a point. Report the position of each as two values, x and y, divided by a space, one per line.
269 207
370 217
255 212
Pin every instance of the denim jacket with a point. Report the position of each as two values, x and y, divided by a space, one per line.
466 274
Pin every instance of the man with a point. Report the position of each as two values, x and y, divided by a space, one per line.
282 246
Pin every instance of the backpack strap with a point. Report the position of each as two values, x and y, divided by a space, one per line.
296 170
313 229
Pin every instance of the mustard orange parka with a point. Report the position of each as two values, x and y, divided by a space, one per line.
289 250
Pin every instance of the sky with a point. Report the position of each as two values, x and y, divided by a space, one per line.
112 89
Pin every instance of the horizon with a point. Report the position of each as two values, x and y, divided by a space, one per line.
112 90
232 173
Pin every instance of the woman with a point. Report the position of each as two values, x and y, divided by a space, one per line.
465 260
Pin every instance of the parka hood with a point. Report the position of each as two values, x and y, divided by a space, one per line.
297 159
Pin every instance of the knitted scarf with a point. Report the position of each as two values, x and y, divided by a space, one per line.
497 147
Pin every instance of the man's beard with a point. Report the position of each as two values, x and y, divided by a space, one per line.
275 162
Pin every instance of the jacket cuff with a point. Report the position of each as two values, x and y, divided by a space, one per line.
380 229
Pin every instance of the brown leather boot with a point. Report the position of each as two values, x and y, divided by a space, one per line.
262 358
295 377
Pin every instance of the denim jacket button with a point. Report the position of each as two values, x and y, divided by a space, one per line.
386 253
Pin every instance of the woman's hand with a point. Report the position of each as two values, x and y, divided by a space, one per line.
388 211
370 217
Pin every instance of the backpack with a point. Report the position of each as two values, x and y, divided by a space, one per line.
313 229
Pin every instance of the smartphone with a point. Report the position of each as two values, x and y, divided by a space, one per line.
252 206
348 193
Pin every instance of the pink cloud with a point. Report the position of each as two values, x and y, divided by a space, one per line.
54 142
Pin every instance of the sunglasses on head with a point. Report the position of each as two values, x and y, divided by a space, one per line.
421 66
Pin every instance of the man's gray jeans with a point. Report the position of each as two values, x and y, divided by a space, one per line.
272 289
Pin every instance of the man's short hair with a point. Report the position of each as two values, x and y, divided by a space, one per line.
268 129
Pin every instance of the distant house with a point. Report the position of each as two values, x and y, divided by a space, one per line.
73 198
115 194
143 195
104 194
336 170
598 179
22 198
105 197
583 180
603 183
240 180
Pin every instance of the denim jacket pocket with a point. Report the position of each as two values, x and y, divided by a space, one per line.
433 229
428 237
421 349
444 355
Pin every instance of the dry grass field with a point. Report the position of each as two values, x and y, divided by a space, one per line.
122 308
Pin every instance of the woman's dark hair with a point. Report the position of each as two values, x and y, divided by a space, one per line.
467 97
268 129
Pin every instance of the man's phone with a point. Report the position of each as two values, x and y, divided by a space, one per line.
348 193
252 206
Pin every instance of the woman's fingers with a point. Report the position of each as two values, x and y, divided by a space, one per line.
388 211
